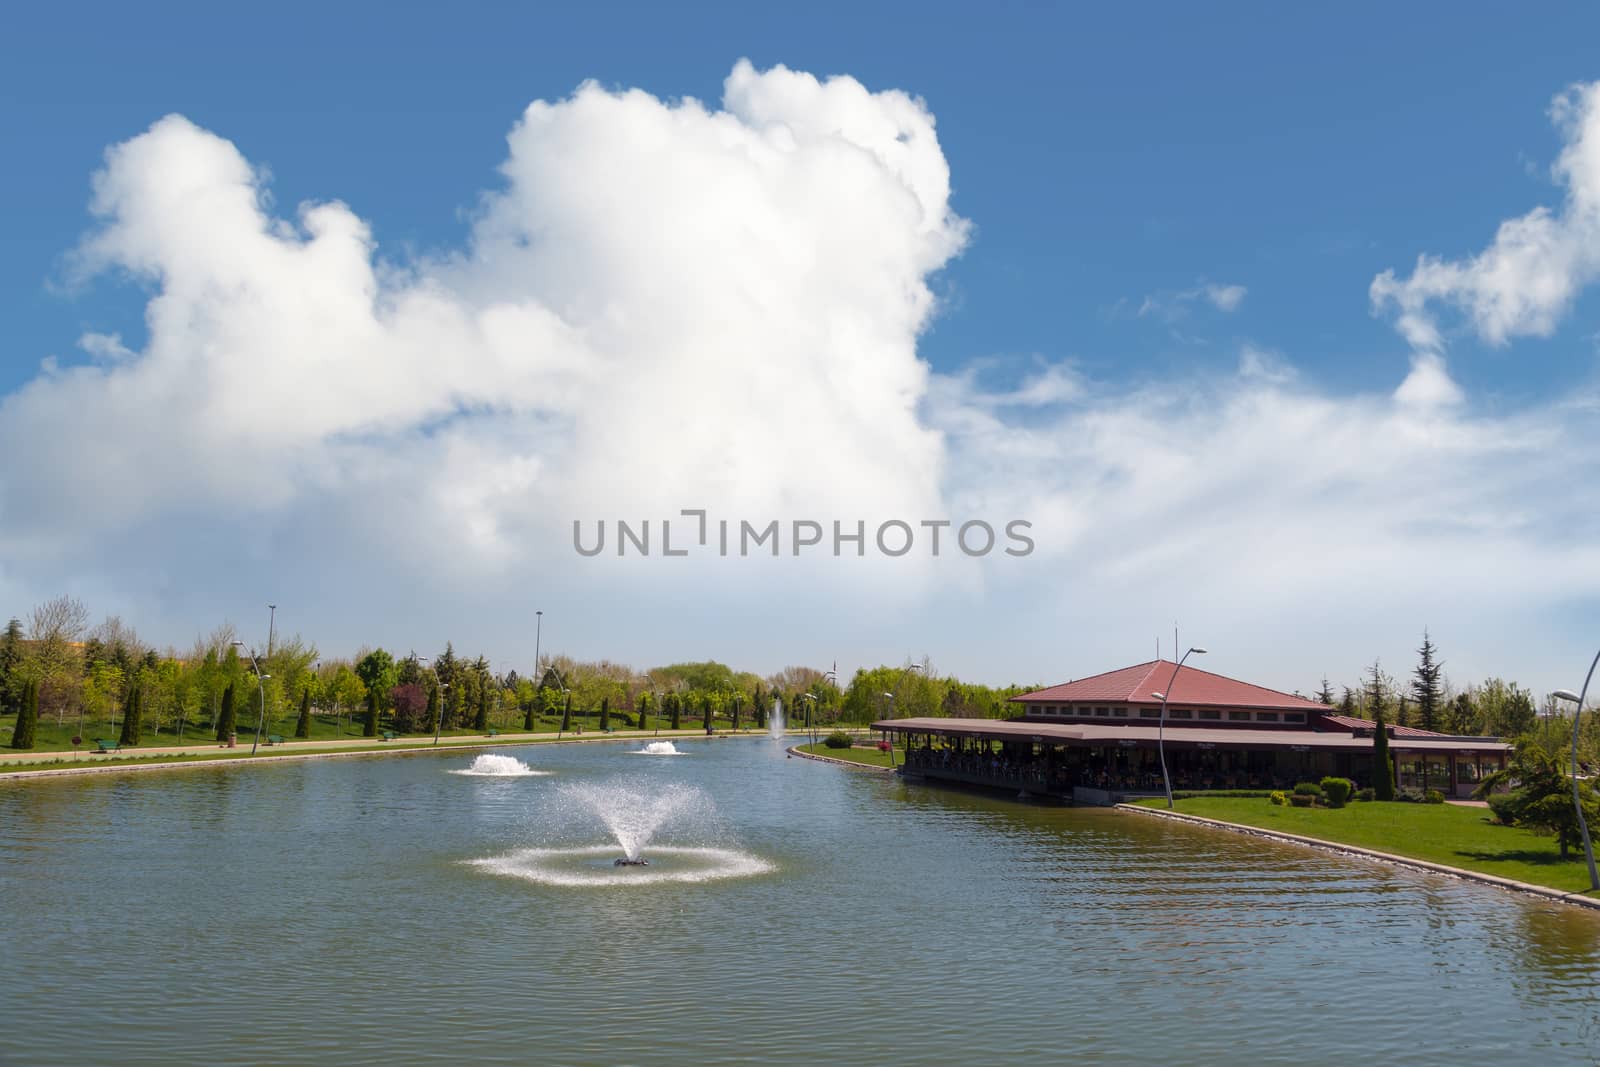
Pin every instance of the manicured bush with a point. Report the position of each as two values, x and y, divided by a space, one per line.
22 736
1278 798
1410 796
1337 790
1308 789
1302 800
837 739
1506 807
1433 796
227 718
1367 794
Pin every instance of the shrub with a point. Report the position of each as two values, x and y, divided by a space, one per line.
1368 793
837 739
1279 798
1409 796
1308 789
1433 796
1337 790
1506 807
1302 800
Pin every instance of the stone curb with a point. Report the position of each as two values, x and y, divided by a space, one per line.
795 751
1510 884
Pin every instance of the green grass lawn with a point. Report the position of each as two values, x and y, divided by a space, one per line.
869 757
1441 833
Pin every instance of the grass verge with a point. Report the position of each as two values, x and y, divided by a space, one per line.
1440 833
867 757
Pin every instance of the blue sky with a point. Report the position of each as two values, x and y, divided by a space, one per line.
1107 160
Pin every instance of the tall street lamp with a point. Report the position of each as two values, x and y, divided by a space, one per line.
1161 730
261 682
886 732
1577 801
538 632
811 727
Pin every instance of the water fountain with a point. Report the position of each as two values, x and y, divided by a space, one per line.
633 813
658 748
775 720
491 765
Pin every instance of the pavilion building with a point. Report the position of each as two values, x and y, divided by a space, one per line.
1098 739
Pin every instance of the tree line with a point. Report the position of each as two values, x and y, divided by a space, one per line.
61 678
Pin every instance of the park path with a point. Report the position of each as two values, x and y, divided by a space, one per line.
14 759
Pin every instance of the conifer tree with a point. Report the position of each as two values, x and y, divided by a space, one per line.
527 712
302 726
1382 764
677 711
706 708
736 700
644 711
27 717
131 714
1325 694
11 683
566 715
370 727
605 713
227 718
481 722
1426 685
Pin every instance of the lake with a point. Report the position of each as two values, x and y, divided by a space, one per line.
387 911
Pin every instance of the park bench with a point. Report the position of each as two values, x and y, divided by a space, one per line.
492 732
274 739
388 735
102 744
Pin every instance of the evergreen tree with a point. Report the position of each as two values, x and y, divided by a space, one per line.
527 712
706 708
227 718
677 711
737 698
302 726
605 713
481 723
27 717
758 707
1382 765
131 714
11 683
1347 703
1402 713
1426 685
370 727
1325 694
644 711
566 714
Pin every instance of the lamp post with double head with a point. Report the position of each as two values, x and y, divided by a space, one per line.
261 683
1161 729
1577 799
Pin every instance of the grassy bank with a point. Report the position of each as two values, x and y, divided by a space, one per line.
1440 833
867 757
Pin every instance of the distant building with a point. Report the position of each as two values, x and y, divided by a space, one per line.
1097 739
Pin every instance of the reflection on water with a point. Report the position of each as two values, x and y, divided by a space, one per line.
329 912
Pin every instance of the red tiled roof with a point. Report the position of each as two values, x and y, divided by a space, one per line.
1351 722
1192 687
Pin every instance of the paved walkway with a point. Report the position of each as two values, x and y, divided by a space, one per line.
27 763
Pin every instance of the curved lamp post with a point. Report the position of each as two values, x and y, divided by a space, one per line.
811 727
1161 730
1577 802
261 683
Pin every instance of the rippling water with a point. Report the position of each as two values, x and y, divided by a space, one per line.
331 912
